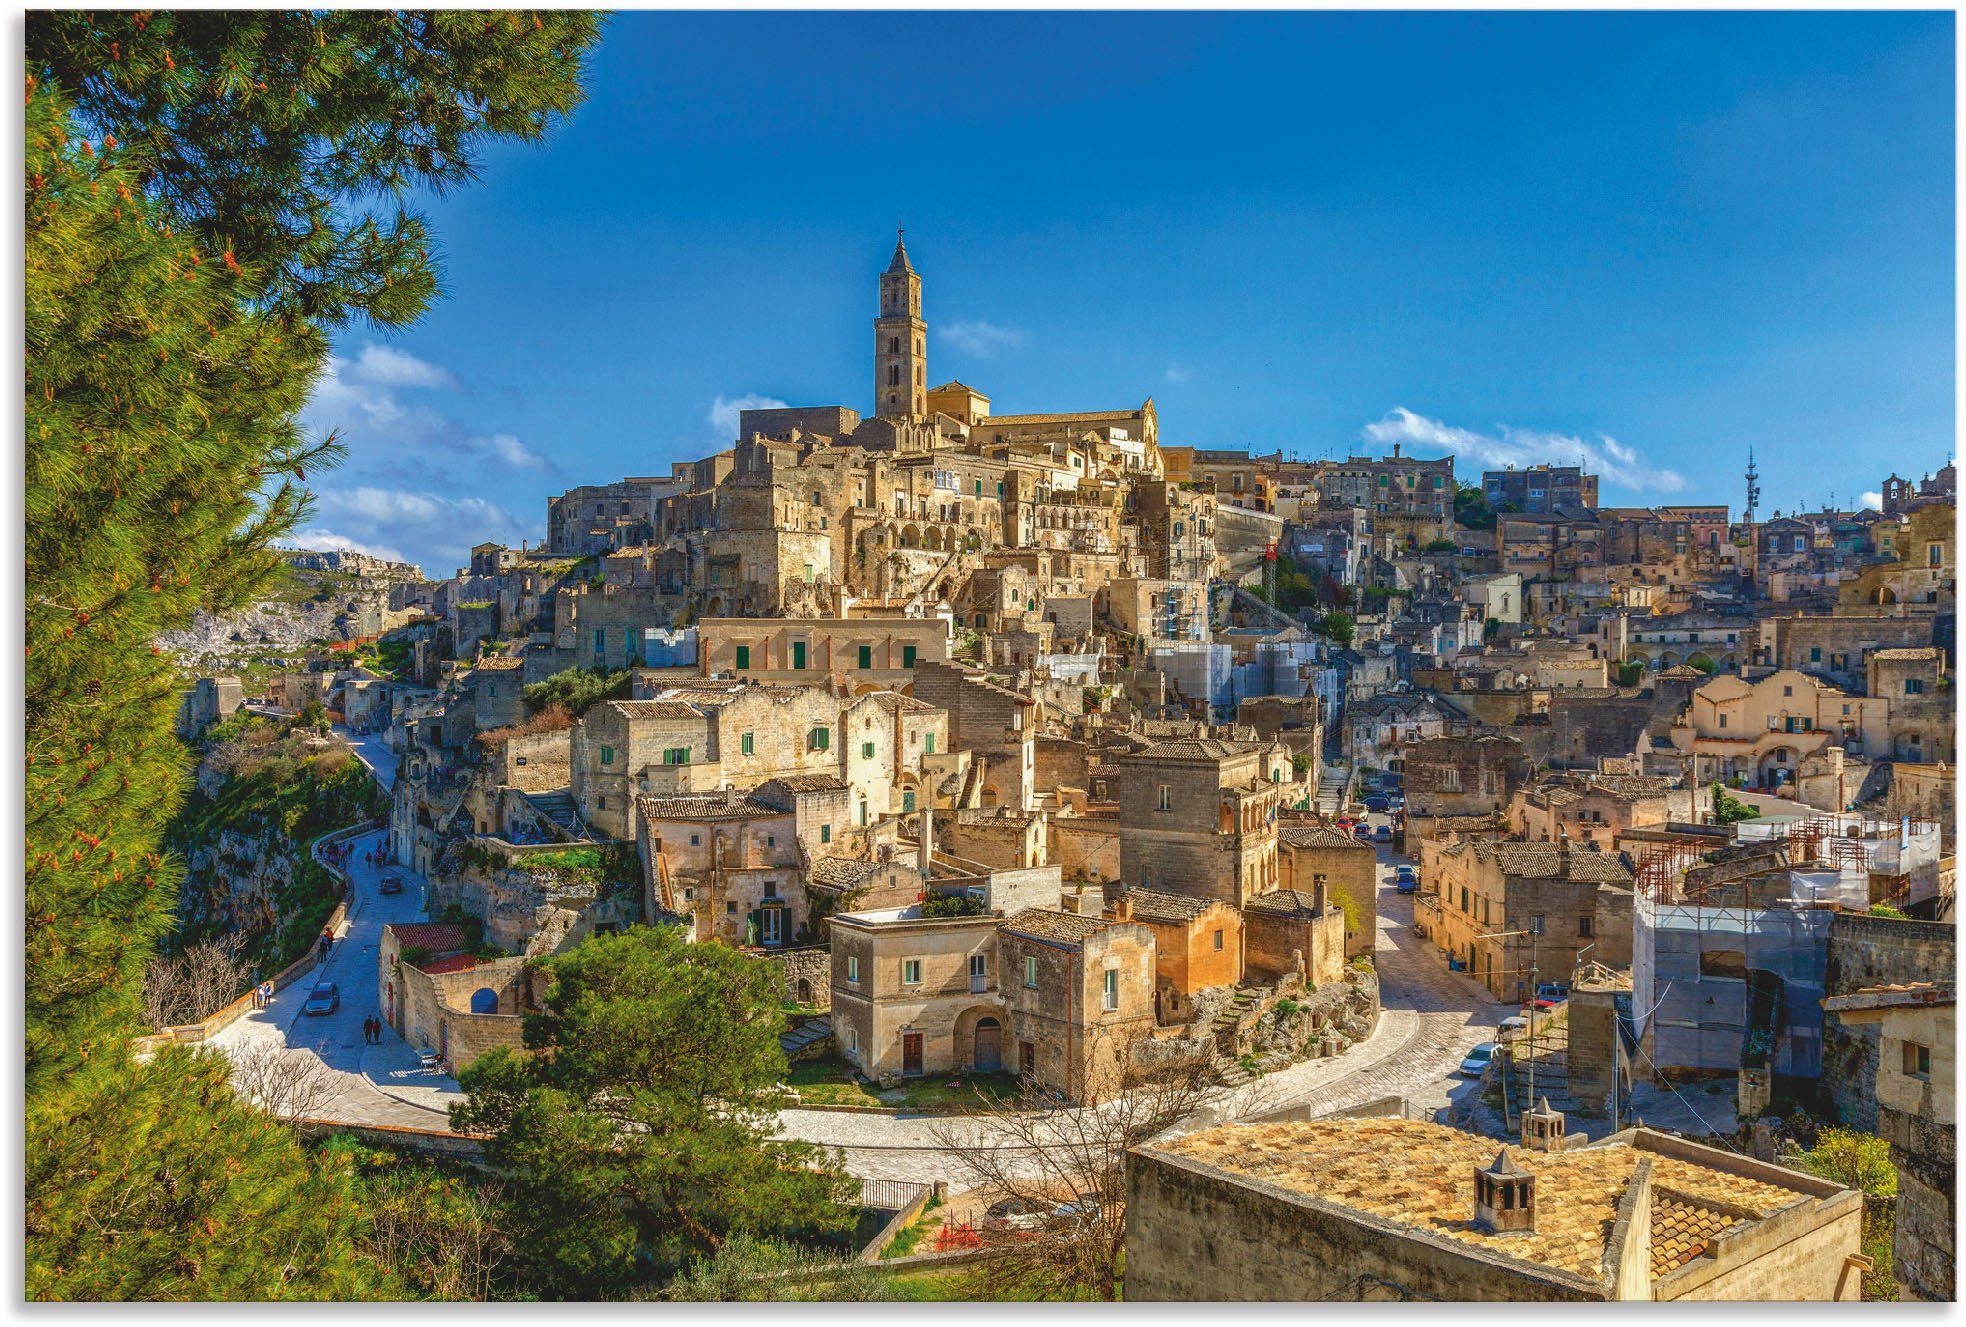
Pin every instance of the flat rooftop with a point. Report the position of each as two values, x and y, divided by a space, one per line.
1421 1175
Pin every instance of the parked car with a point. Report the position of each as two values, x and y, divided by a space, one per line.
1362 831
1478 1060
325 998
1550 994
1383 834
1379 802
1068 1216
1406 880
1513 1025
1014 1214
392 883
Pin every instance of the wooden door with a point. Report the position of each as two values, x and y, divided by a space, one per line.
911 1053
989 1046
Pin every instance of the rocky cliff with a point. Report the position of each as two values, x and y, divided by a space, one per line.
265 793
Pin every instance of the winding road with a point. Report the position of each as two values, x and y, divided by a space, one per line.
363 1084
1430 1018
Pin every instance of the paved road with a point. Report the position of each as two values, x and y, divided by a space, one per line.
1431 1017
383 1084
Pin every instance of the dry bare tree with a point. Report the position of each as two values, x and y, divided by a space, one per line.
289 1084
193 984
1065 1166
449 1236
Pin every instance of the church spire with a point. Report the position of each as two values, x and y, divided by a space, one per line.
900 263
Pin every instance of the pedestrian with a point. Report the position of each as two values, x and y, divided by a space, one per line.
327 939
368 1029
375 1030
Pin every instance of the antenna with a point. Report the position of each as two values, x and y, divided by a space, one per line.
1754 488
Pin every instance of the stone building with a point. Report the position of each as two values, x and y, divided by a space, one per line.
1311 858
1775 732
1198 816
1492 895
1596 810
1394 1209
1080 993
1296 933
915 994
1918 1113
877 650
699 740
1539 488
1198 946
1920 576
1835 648
439 996
1460 776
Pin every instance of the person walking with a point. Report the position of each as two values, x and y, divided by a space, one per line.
327 939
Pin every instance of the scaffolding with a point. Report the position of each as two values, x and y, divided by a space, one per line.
1729 956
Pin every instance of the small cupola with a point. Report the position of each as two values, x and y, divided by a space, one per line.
1505 1197
1542 1128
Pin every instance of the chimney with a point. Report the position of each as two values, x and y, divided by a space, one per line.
1122 909
1542 1128
1505 1197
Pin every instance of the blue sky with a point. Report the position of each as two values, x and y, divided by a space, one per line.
1652 240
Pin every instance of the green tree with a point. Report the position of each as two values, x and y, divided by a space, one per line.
576 690
637 1124
1727 808
289 138
1337 625
1471 508
1629 673
171 336
1862 1162
1703 662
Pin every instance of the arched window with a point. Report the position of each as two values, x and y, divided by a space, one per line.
894 345
484 1000
894 375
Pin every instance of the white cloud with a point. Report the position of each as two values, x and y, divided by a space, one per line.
976 337
387 367
1619 465
1873 500
327 541
725 409
364 401
445 528
1178 372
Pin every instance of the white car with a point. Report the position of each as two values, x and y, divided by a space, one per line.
1478 1060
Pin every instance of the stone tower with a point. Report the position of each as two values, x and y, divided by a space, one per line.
900 342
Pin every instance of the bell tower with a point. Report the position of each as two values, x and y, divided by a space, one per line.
900 342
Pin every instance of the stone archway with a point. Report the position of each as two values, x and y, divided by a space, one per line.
980 1038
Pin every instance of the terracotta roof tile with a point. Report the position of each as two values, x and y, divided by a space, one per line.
1064 928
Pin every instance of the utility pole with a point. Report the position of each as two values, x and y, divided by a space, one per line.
1534 933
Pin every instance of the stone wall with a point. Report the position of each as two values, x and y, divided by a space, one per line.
1873 951
808 975
1196 1234
1086 847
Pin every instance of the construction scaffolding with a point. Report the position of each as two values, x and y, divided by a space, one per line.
1729 948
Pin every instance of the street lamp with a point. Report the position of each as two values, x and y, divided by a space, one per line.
1534 933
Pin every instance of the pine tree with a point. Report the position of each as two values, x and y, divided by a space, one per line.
192 226
291 136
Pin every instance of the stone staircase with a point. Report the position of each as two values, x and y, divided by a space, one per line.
802 1037
1331 792
558 807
